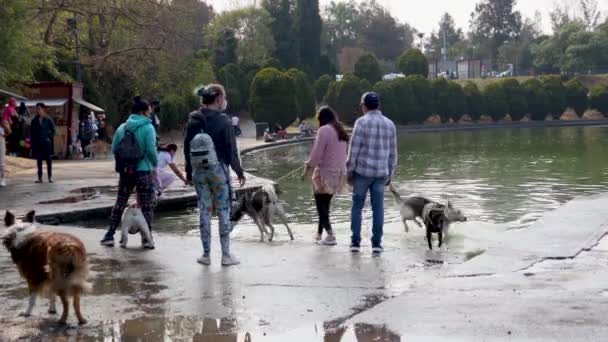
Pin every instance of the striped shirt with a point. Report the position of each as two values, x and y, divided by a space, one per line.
373 146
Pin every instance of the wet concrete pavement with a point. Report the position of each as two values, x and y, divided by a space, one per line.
296 291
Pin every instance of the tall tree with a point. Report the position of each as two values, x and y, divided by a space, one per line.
281 12
251 40
493 23
307 27
367 26
590 13
453 37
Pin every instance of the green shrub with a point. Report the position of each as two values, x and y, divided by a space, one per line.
345 98
423 93
496 102
536 98
405 101
305 97
556 95
388 98
321 86
368 68
457 102
475 105
273 98
516 98
599 98
576 96
413 62
230 76
441 97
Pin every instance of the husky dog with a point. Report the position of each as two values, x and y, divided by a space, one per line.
436 217
53 264
133 222
261 205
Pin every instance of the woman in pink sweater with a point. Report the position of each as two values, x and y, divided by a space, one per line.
327 162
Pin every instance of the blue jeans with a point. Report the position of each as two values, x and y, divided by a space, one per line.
361 185
213 191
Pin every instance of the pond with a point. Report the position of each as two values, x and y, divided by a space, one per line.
503 179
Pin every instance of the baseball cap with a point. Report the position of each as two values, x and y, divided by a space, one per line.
371 100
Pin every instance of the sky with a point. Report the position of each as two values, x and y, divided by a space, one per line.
424 15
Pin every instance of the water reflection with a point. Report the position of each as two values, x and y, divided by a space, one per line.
497 176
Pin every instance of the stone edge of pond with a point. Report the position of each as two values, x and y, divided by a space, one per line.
166 204
263 147
476 126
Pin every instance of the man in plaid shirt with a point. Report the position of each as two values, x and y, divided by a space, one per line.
372 159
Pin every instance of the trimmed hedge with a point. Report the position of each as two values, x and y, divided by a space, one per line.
577 96
321 85
413 62
515 97
599 98
304 94
345 96
368 68
475 102
273 98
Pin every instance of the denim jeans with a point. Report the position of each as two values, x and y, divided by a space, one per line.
375 186
213 191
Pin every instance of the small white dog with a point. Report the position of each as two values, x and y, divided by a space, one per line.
133 222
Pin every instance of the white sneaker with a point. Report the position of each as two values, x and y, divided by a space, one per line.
317 237
204 260
330 240
230 261
2 182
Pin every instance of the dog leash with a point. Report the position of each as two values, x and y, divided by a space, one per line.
291 173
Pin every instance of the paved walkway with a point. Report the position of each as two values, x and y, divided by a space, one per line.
544 283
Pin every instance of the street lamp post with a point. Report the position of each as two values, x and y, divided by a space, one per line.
73 28
421 36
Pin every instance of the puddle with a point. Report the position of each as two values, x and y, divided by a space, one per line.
79 195
161 328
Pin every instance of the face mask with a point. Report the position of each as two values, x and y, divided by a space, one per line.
225 105
157 110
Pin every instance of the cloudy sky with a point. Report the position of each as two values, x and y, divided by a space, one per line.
424 15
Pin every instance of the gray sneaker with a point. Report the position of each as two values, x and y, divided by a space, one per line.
330 240
204 260
230 260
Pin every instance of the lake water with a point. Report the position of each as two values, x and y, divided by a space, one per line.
502 179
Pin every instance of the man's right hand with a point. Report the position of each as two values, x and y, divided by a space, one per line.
242 180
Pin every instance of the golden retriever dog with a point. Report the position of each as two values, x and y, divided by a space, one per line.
53 264
97 148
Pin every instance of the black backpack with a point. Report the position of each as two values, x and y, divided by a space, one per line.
128 153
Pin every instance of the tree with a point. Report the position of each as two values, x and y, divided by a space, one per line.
590 13
273 98
496 101
536 98
321 86
475 105
576 96
599 98
457 102
21 53
515 98
345 96
367 68
413 62
282 30
242 36
453 38
307 27
441 98
493 23
556 95
368 26
305 97
404 101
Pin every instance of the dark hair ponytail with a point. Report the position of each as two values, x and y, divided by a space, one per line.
328 116
139 105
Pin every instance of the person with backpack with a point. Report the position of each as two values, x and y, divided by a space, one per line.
134 149
210 148
86 134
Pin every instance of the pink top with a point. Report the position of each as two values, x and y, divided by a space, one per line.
328 158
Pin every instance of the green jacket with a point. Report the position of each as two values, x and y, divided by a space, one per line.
146 138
